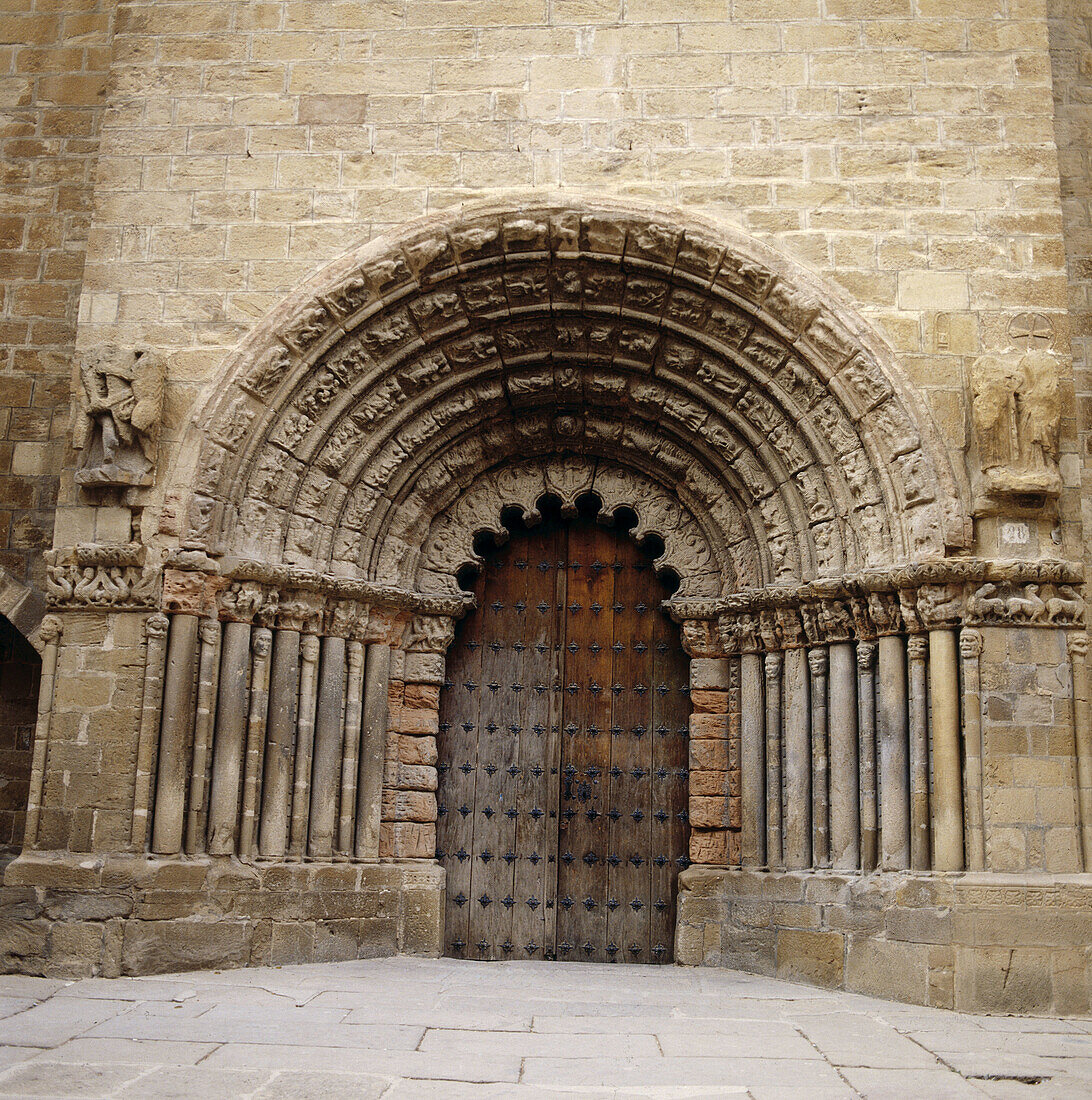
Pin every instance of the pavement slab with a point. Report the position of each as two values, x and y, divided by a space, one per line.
415 1029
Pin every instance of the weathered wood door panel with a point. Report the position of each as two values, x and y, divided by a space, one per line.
563 754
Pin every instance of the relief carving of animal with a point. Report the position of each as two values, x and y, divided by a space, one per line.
1026 608
1067 606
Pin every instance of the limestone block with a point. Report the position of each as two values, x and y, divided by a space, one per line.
707 672
410 777
709 725
706 755
816 957
407 840
709 812
1010 979
886 969
409 806
708 846
160 947
408 749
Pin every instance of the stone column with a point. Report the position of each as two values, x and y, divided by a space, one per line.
797 830
50 633
174 736
155 628
369 794
820 767
208 675
947 781
350 752
227 758
866 748
280 739
305 745
261 646
1077 644
774 857
892 734
844 770
326 768
970 647
916 650
752 761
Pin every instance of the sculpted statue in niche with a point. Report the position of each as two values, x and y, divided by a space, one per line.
1017 410
121 405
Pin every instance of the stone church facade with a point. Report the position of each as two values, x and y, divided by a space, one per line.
560 478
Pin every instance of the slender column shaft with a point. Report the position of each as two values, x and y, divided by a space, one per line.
369 793
752 761
350 747
280 739
227 759
735 764
174 736
866 747
844 774
947 781
50 633
326 769
208 675
1077 642
970 644
305 744
891 733
151 708
820 759
774 856
261 646
916 649
797 761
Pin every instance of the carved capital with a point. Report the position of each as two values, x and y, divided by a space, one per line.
866 656
309 648
50 630
430 634
186 593
970 644
917 647
261 643
210 632
1077 643
817 661
773 668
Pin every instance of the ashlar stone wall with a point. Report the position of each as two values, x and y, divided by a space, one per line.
904 150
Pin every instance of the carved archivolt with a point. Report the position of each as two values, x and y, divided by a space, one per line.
610 336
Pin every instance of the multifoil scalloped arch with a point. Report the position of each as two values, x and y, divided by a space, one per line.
610 334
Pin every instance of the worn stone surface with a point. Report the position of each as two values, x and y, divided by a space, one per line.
973 942
401 1028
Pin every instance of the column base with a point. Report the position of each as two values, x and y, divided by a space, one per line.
73 915
975 941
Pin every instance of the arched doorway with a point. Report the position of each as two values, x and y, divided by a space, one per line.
563 754
20 673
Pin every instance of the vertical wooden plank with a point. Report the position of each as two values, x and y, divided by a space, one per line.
457 757
493 875
629 873
585 753
535 644
670 833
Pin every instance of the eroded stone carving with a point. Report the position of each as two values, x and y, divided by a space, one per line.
1017 412
120 408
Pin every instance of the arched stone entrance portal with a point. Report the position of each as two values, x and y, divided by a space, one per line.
280 741
564 715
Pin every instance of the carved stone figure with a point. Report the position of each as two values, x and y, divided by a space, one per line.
1017 410
121 404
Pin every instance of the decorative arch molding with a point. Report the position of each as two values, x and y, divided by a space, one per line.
651 340
449 545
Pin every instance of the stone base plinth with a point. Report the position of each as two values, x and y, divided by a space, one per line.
65 915
975 942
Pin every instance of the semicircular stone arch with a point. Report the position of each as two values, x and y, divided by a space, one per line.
415 387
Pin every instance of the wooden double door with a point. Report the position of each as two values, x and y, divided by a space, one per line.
563 755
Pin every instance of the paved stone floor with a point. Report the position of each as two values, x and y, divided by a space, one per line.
397 1028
